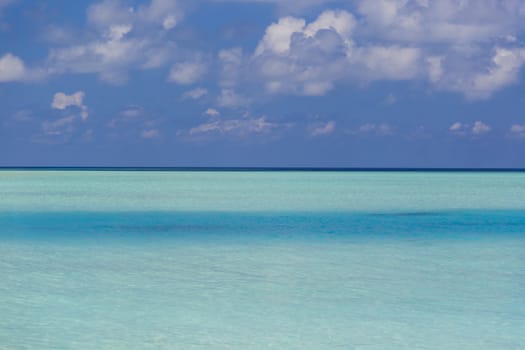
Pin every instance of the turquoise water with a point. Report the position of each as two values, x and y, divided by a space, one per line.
262 260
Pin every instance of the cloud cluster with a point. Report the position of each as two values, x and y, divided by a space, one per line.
466 46
123 38
477 129
471 47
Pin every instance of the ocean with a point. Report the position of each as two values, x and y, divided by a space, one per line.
262 260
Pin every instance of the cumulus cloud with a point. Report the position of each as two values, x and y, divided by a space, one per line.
467 46
212 112
185 73
471 47
195 94
322 129
278 36
12 68
309 58
62 101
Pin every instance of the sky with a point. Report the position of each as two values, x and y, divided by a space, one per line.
262 83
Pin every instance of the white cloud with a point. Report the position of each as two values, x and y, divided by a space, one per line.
466 46
435 68
169 22
441 21
477 129
117 32
110 12
278 36
239 127
503 72
111 57
62 101
322 129
164 12
388 63
481 77
185 73
12 68
518 130
309 58
195 94
212 112
150 134
457 126
229 98
471 47
128 38
480 128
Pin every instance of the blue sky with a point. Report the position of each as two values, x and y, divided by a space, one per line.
364 83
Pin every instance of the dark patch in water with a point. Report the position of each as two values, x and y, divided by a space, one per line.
415 213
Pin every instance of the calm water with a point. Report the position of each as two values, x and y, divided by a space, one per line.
262 260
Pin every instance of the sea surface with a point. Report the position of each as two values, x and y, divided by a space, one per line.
262 260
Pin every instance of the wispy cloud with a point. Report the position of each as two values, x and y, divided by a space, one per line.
195 94
322 129
150 134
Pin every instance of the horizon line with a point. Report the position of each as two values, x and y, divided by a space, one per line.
261 169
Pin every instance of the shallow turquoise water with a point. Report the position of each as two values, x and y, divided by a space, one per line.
133 260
